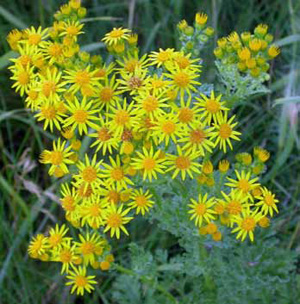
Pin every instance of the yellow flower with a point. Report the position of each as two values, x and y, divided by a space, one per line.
115 173
88 246
273 51
201 210
23 77
34 36
183 80
69 201
161 57
38 246
89 173
50 114
116 35
141 201
66 255
104 139
80 281
149 162
212 107
267 202
244 183
81 79
182 163
58 157
71 28
225 131
246 223
115 220
56 236
167 127
82 114
198 139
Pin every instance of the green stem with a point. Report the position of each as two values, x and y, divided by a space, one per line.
146 280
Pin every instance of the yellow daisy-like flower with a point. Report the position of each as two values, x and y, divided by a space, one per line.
34 36
141 201
89 173
167 127
50 114
134 82
50 85
72 28
23 77
58 157
80 281
107 95
157 84
212 107
82 114
149 162
183 163
116 35
234 203
69 201
151 105
115 219
183 81
187 114
198 139
244 183
56 236
89 246
130 62
92 211
267 202
81 79
225 131
122 117
115 173
246 223
201 210
161 57
38 246
104 139
66 255
53 52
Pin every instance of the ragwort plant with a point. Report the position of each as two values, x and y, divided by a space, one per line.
153 134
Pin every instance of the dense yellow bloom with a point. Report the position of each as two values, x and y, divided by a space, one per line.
116 35
82 114
80 281
267 202
58 157
201 210
161 57
183 162
149 163
115 220
225 132
141 201
246 224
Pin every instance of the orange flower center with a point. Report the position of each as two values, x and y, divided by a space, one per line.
168 127
117 174
248 224
65 256
34 39
182 79
269 200
89 174
103 134
114 220
212 106
68 203
48 88
81 281
200 209
122 117
87 248
141 201
244 185
82 78
234 207
49 112
149 163
225 131
135 82
80 116
106 94
186 115
197 136
57 157
24 78
182 162
150 104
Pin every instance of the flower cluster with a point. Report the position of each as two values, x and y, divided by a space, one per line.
193 38
250 53
122 125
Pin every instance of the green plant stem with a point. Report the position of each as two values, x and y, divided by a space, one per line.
146 280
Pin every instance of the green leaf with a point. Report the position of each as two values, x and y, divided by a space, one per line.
4 59
292 99
11 18
288 40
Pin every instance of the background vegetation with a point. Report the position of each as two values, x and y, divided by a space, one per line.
267 272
